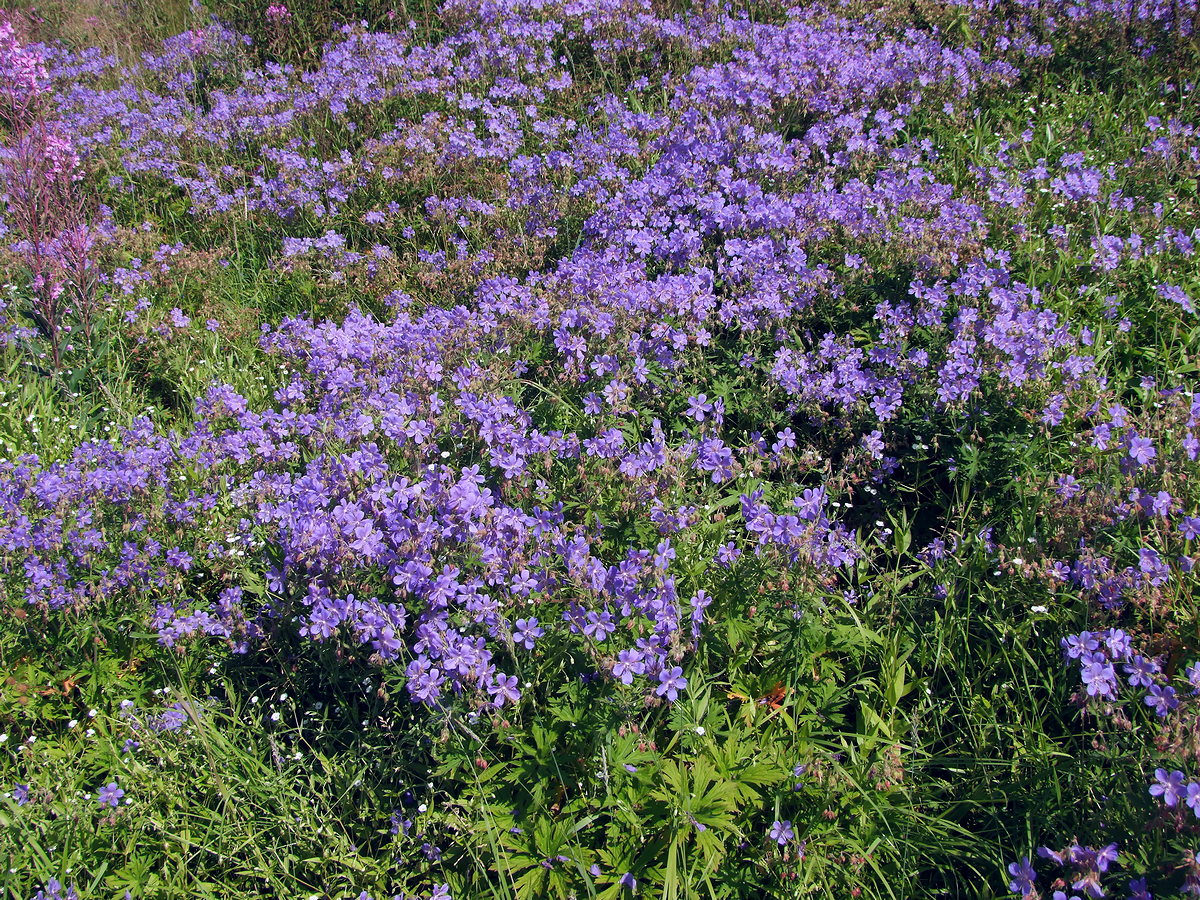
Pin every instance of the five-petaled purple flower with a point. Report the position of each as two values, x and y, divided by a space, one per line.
671 682
1162 699
698 407
526 632
1190 526
110 795
781 832
628 664
1141 450
1024 879
1168 785
504 690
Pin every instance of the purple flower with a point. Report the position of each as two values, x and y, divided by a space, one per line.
1160 505
1193 676
1168 785
1075 646
1141 450
671 682
1106 856
1177 294
504 690
628 882
1053 855
1152 566
1118 642
1192 799
809 503
526 632
20 793
54 891
1141 671
698 407
1191 444
936 550
781 832
1162 700
599 625
1098 676
110 795
663 554
1068 486
727 554
1024 879
628 664
1190 526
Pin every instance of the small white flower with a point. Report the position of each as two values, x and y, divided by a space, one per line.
1038 609
700 730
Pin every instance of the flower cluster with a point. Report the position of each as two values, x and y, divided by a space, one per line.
582 370
374 538
1084 867
1098 656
